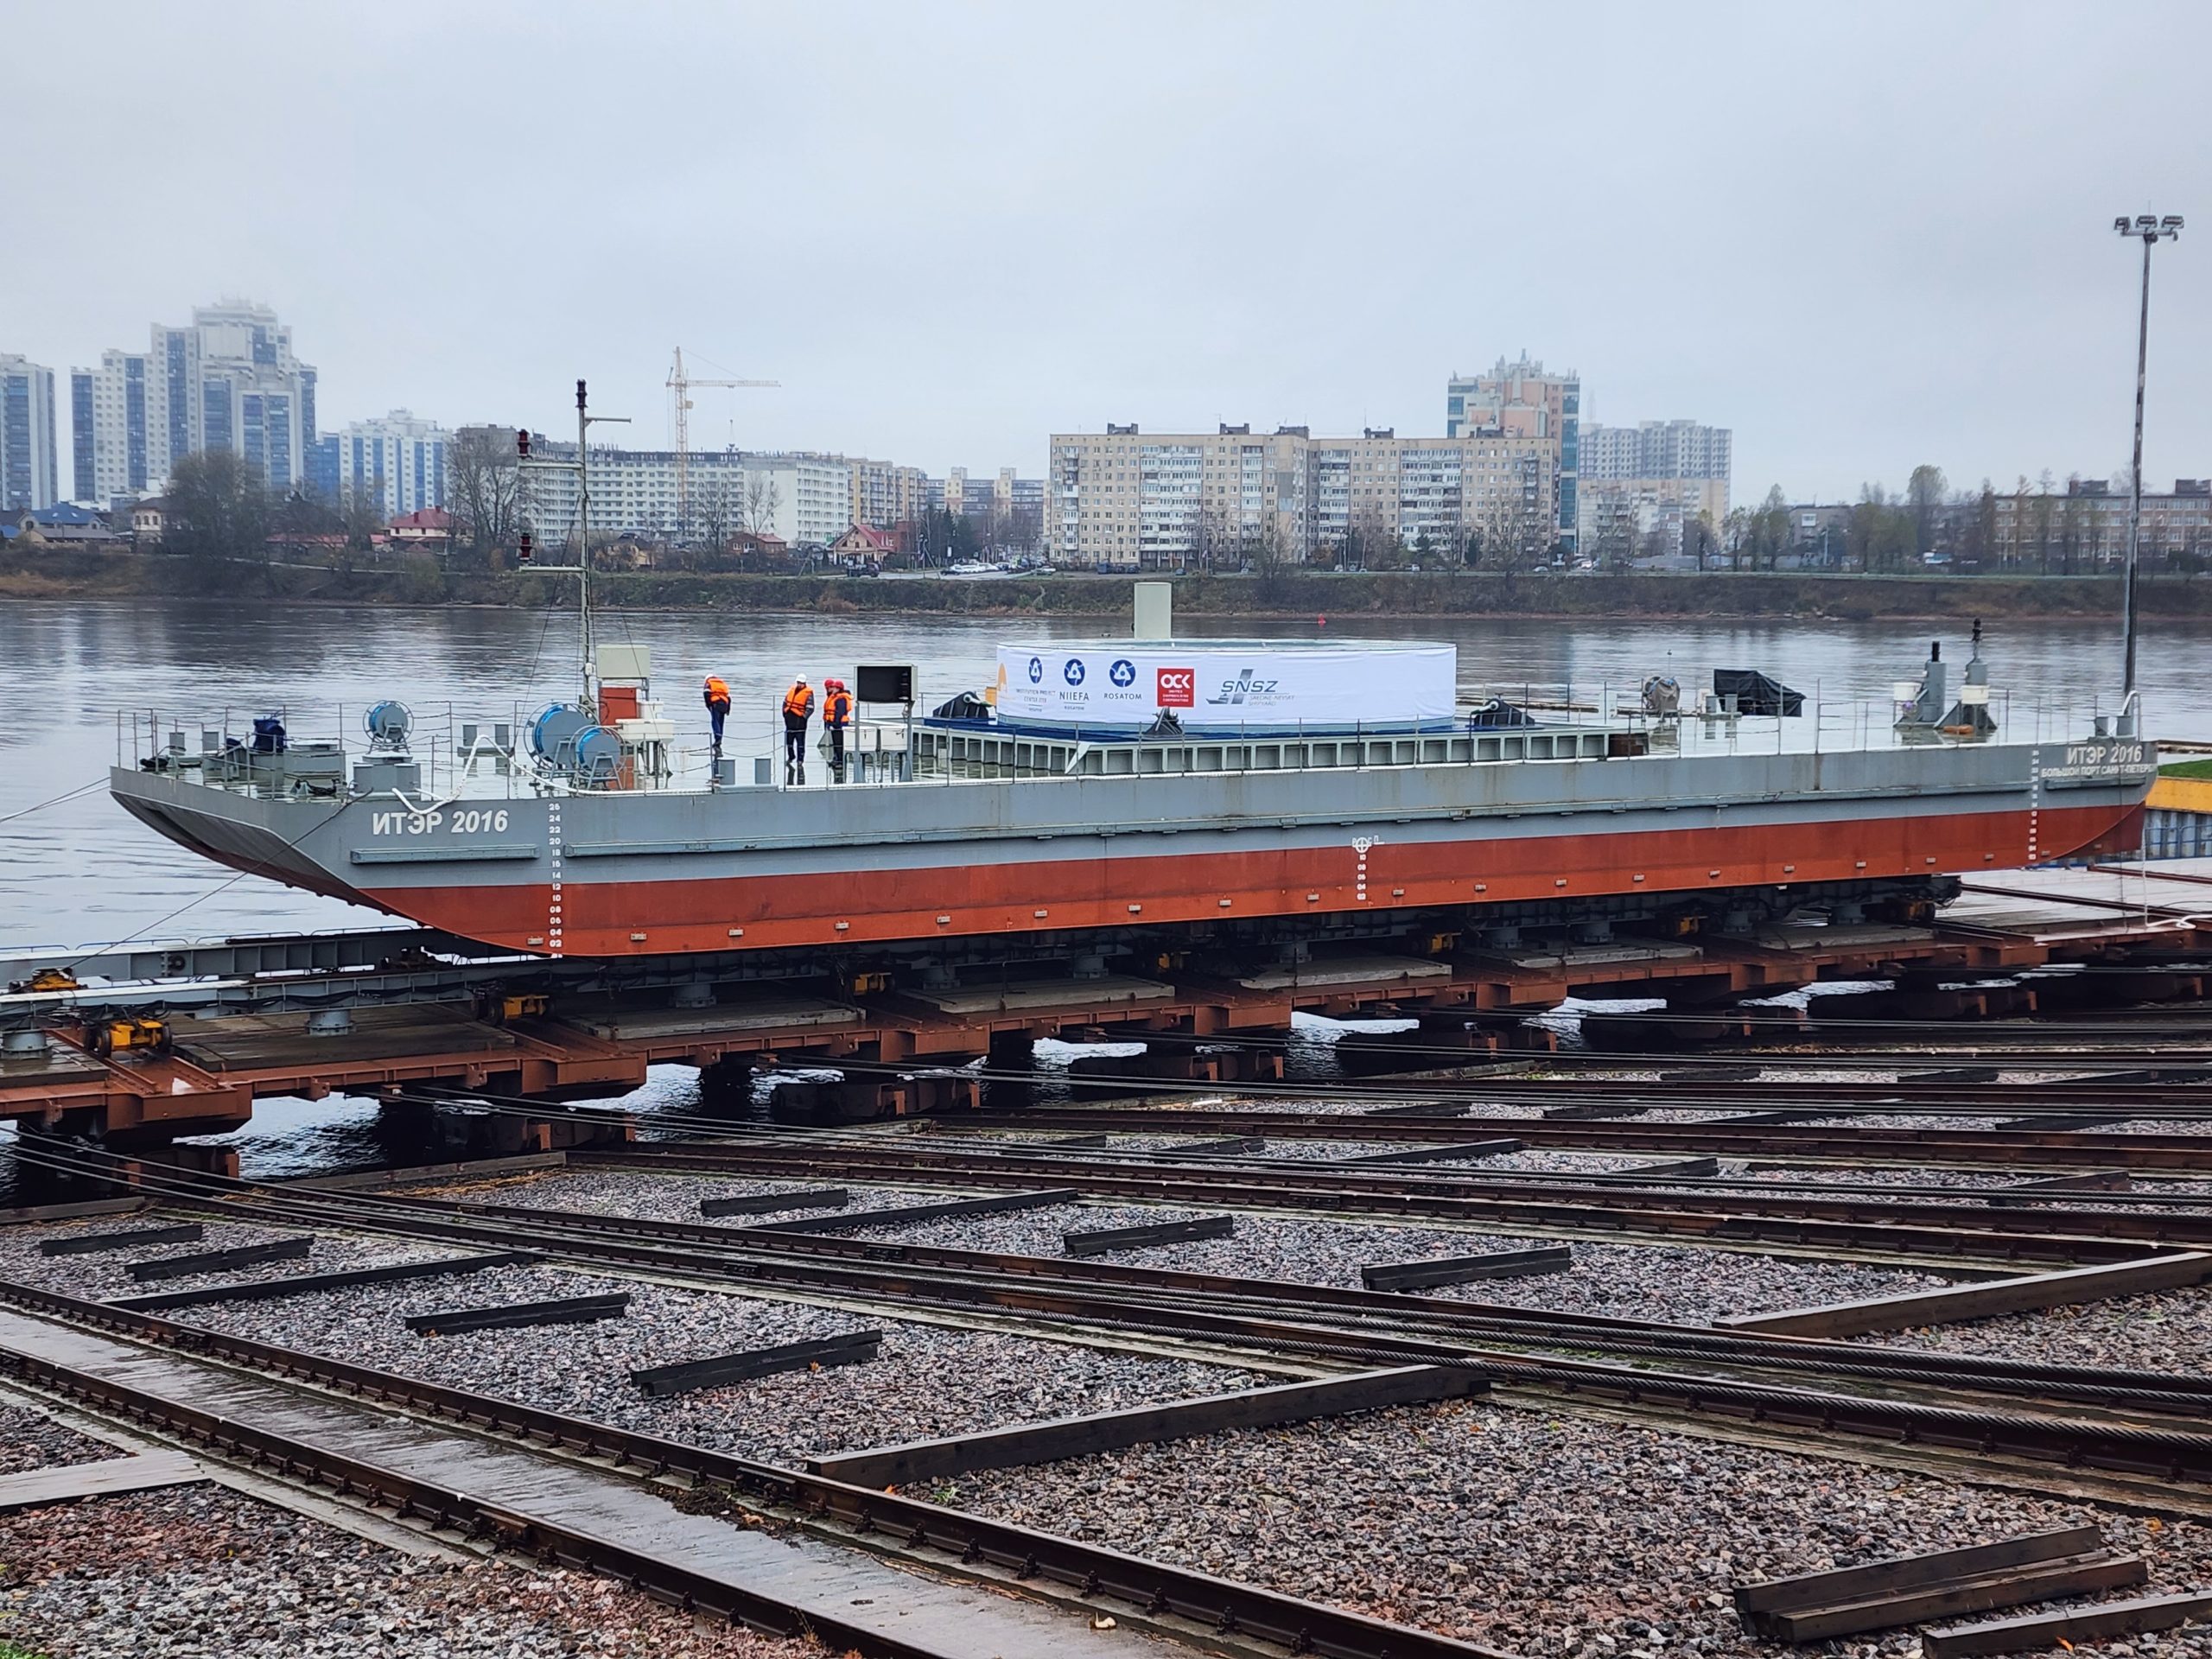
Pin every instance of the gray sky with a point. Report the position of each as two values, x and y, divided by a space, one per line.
1862 236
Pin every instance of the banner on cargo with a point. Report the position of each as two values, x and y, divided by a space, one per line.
1225 686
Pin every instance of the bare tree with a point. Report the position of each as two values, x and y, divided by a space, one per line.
360 509
712 508
1923 492
757 512
484 491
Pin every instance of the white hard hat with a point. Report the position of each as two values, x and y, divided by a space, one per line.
802 679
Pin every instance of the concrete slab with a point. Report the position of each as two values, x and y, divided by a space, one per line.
1859 936
240 1042
754 1013
1111 990
1345 970
1598 955
36 1488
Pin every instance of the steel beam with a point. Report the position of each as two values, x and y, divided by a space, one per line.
2037 1632
1076 1437
569 1310
854 1221
854 1348
244 1255
1992 1297
1098 1242
309 1284
1466 1270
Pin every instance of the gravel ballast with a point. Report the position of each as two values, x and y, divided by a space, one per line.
927 1380
2163 1330
1655 1282
196 1572
1560 1538
103 1273
31 1440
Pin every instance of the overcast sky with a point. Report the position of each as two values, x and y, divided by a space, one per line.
1862 237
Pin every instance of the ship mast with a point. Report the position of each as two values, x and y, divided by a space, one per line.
583 549
581 468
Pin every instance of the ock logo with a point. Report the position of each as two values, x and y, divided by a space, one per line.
1178 688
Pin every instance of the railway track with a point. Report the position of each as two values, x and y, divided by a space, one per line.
1861 1227
1216 1613
2023 1423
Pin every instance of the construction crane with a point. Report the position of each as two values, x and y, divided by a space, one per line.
680 384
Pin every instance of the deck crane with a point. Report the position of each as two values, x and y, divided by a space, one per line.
680 385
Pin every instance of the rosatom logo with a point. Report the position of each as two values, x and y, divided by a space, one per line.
1178 688
1243 689
1036 669
1073 672
1124 672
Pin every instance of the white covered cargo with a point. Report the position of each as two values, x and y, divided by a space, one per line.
1228 685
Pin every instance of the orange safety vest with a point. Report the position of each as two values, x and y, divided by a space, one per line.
718 690
798 702
837 710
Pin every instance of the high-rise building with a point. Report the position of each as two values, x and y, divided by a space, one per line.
228 380
1126 499
108 448
1657 476
805 500
28 476
399 461
1655 449
1519 399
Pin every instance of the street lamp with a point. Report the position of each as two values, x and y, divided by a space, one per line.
2150 229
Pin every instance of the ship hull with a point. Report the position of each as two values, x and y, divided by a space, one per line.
619 874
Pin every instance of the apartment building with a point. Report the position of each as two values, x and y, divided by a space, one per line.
803 498
1520 399
1124 499
28 472
2086 528
399 461
227 380
1654 449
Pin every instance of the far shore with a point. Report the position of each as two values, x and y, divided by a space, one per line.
1294 595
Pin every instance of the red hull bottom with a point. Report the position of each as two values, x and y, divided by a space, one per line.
781 913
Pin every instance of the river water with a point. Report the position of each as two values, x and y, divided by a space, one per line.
81 872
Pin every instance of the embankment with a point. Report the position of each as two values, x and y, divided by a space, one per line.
41 574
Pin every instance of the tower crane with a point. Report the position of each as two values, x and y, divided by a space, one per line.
680 384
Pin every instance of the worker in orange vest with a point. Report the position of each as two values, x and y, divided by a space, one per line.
836 719
798 709
717 695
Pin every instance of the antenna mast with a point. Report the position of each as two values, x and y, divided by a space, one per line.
581 468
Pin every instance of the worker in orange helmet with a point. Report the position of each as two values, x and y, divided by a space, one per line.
837 720
717 696
798 709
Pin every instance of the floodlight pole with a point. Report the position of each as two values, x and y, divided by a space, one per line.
2150 229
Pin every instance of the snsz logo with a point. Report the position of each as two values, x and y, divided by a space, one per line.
1177 687
1036 669
1073 672
1244 688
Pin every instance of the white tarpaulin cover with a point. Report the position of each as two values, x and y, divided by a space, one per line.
1229 685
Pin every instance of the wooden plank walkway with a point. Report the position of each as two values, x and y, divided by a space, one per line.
905 1611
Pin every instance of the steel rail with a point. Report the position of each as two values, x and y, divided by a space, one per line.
2109 1387
2055 1149
2069 1442
947 1540
1922 1231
